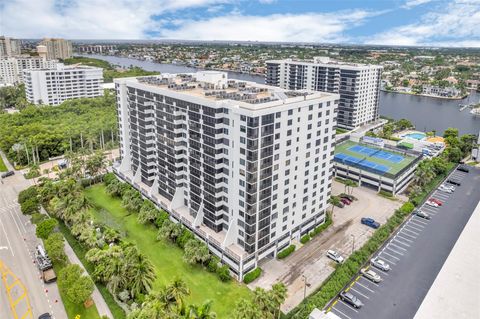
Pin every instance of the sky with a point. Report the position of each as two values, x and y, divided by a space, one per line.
453 23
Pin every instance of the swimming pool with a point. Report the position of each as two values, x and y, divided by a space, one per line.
417 135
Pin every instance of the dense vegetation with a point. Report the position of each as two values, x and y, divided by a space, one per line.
109 70
251 276
13 97
286 252
37 133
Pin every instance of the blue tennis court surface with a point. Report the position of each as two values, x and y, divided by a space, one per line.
361 162
376 153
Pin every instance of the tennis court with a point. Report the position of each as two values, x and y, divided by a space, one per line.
371 158
376 153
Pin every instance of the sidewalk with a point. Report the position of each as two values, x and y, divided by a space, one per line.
97 297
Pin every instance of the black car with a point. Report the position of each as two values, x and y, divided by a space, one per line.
45 316
455 182
9 173
463 168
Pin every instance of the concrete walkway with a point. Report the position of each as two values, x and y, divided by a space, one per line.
97 297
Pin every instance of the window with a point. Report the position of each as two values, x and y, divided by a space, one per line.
289 122
290 112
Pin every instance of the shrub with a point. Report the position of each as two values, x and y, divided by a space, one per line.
37 218
286 252
45 228
28 194
305 239
386 194
162 216
223 273
212 264
108 178
55 248
251 276
322 227
30 206
184 238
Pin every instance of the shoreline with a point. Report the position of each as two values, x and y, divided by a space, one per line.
427 95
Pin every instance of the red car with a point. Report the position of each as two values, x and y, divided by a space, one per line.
345 201
436 201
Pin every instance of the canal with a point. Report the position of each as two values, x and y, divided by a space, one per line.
426 113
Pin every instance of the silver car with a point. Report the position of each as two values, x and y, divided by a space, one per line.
380 264
351 299
335 256
371 275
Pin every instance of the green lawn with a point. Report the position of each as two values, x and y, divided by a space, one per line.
394 167
3 167
167 258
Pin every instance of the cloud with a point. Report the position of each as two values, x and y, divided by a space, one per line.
413 3
88 19
308 27
456 24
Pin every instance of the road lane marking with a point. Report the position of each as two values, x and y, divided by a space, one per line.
341 313
349 307
369 281
388 260
414 227
358 292
15 221
401 242
412 221
394 252
6 236
409 240
420 220
409 230
399 247
365 287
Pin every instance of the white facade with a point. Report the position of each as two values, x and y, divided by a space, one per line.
9 47
357 84
246 167
53 86
11 68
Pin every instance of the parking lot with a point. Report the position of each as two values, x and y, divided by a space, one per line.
311 261
415 254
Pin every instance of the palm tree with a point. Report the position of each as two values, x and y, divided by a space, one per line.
334 200
139 271
264 302
278 294
177 291
203 311
245 309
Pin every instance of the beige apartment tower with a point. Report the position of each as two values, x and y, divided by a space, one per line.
55 48
9 47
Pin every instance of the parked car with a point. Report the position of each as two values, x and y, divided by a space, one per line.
455 182
370 222
421 214
335 256
439 202
345 201
446 189
45 316
463 168
431 203
380 264
349 197
371 275
9 173
351 299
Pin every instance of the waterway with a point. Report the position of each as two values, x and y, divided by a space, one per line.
426 113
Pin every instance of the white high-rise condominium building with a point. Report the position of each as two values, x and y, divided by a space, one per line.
53 86
11 68
357 84
9 47
247 167
56 48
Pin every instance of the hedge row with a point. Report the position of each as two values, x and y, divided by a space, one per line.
251 276
286 252
344 272
318 230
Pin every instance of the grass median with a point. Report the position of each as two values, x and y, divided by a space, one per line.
3 167
166 257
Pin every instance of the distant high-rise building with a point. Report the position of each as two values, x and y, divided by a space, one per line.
53 86
11 68
357 84
9 47
246 167
56 48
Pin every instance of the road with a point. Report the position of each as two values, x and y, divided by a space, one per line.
17 244
416 254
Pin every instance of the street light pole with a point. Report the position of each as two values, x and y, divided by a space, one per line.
304 286
353 243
